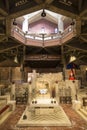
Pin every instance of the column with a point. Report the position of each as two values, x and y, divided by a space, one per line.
34 79
25 25
22 64
60 24
63 62
57 96
29 93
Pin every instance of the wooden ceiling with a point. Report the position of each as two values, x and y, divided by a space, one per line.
10 47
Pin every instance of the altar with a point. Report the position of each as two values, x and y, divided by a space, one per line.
43 106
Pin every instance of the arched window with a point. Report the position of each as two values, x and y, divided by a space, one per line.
56 30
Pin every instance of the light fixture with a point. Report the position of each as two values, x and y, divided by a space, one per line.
14 22
43 14
16 59
72 23
72 58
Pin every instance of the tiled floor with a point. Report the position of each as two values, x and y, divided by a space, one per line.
77 122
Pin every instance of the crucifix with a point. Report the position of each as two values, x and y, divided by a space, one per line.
43 35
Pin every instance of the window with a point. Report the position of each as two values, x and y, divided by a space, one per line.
56 30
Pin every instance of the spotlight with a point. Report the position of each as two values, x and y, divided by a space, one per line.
14 22
72 58
43 14
16 59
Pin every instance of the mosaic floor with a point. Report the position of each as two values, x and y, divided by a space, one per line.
77 123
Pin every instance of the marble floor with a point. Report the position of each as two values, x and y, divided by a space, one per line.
77 123
44 117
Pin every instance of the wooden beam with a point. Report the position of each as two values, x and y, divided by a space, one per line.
7 5
84 34
81 56
2 18
8 26
63 61
82 38
48 1
3 12
83 12
42 57
84 18
78 25
41 6
76 48
39 1
26 11
3 38
80 5
7 49
62 12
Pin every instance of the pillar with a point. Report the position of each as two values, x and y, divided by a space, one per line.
63 62
60 24
29 93
22 64
34 79
25 25
57 96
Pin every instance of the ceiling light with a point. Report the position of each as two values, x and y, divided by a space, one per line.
72 58
43 14
14 22
16 59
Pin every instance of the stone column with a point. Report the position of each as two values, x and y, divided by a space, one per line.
25 25
29 93
57 96
22 64
34 79
63 62
60 24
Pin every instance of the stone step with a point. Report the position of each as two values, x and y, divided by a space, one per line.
80 112
4 113
5 117
84 112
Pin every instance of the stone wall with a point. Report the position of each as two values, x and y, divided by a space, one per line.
83 75
4 74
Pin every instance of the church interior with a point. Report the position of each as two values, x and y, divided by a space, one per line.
43 65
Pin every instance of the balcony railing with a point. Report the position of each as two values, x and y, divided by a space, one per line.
43 39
